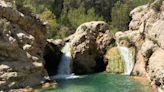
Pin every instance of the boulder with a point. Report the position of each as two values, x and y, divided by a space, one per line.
89 43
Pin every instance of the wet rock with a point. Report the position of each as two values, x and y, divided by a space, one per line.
52 55
114 60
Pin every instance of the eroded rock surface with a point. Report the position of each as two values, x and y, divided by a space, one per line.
22 40
89 43
156 68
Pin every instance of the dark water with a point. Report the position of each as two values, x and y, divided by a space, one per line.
101 82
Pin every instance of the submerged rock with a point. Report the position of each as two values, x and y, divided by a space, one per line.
89 43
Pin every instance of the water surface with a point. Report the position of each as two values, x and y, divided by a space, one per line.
101 82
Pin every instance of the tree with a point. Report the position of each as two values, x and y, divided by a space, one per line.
120 16
78 16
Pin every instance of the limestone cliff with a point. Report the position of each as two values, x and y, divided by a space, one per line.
22 40
146 32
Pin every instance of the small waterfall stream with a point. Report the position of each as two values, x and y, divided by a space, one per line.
64 68
127 57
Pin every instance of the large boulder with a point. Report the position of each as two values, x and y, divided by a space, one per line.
89 43
22 40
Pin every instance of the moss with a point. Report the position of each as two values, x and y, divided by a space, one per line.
5 26
111 45
126 38
115 63
132 50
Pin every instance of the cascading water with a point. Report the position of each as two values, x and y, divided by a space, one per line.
64 70
127 57
64 66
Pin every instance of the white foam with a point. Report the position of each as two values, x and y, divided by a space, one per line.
66 76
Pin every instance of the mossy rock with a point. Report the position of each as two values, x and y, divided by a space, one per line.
115 62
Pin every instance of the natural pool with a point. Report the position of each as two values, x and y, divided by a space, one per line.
100 82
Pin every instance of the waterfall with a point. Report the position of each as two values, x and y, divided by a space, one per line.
127 57
64 66
64 69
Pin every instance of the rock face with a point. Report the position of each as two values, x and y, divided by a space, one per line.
22 40
52 55
148 23
140 65
89 44
156 68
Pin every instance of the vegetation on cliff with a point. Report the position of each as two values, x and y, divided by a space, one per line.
64 16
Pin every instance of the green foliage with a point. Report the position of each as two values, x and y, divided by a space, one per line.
77 16
112 44
120 16
141 2
56 7
49 17
120 13
64 16
113 29
126 38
